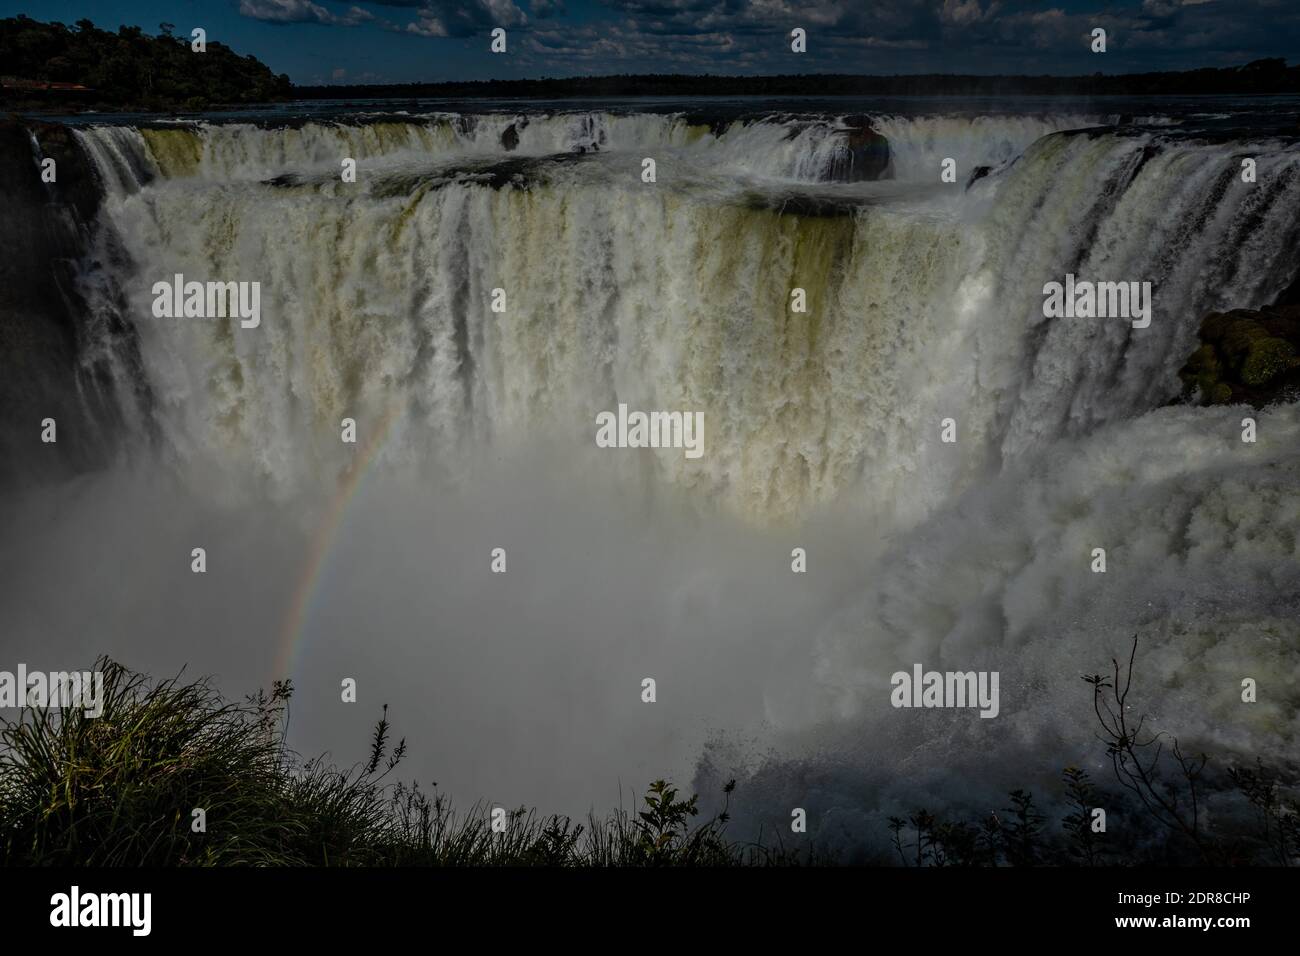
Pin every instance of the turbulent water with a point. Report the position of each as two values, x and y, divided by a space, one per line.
822 431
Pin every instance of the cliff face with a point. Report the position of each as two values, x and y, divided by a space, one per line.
44 322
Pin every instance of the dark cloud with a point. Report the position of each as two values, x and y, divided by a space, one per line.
970 35
301 11
463 18
542 9
852 36
833 17
589 50
434 18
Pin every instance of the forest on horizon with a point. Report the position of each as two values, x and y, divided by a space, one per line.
1260 77
131 70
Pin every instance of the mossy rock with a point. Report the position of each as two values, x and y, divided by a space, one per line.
1267 358
1216 325
1245 356
1241 338
1204 361
1202 373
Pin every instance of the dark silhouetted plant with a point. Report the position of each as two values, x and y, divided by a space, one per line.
1279 814
118 790
1137 760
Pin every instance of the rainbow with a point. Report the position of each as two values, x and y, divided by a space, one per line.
293 630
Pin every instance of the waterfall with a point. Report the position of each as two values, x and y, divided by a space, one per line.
924 305
823 431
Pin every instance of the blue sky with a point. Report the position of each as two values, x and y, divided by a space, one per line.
399 41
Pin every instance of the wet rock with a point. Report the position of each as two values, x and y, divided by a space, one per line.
510 135
863 155
1149 152
43 235
803 205
715 125
1246 356
76 183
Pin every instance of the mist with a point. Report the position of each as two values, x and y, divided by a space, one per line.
327 560
524 687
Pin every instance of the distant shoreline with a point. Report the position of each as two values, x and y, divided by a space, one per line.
55 68
1262 77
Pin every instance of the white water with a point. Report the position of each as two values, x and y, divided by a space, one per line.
675 295
821 430
778 148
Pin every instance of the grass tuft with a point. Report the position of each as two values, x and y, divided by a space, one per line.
122 790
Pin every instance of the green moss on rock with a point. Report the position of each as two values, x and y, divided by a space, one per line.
1268 357
1246 356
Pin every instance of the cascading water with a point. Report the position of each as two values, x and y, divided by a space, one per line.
822 428
924 305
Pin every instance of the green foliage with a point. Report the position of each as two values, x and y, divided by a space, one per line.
130 69
1267 358
118 790
1246 356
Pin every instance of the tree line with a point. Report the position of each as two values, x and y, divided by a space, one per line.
1266 76
132 70
128 69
